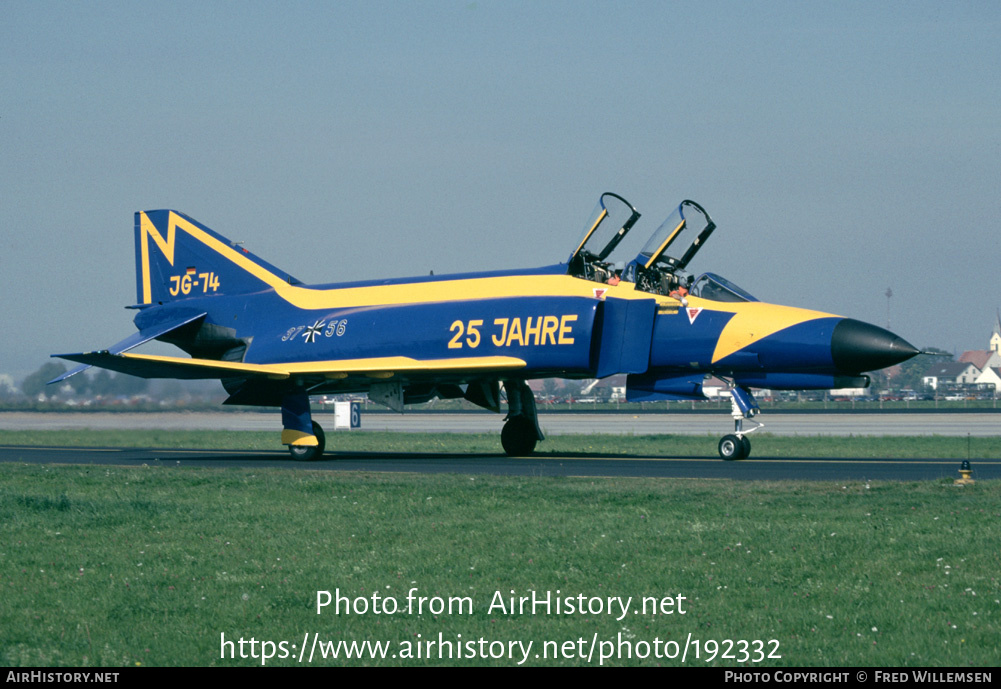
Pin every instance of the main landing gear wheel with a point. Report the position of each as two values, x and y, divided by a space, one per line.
734 447
518 436
310 453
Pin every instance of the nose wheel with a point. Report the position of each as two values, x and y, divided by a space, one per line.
734 447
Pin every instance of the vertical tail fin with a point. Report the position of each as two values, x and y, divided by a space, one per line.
179 258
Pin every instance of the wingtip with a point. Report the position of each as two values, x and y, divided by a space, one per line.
68 374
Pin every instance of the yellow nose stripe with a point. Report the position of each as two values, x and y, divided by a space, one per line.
755 321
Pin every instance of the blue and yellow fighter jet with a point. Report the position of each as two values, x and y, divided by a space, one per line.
274 341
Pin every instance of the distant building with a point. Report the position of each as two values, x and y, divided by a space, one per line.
991 376
990 357
982 359
974 366
950 373
713 388
848 392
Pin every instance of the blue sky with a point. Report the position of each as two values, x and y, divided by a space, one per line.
842 148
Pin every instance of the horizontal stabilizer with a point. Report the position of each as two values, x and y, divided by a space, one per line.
154 366
130 342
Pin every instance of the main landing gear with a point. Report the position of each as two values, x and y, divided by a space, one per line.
518 436
737 445
521 427
304 437
310 453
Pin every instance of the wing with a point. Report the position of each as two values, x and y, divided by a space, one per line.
154 366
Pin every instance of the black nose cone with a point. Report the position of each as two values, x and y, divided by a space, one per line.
858 346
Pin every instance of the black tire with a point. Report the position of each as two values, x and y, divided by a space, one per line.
518 436
310 453
731 447
746 442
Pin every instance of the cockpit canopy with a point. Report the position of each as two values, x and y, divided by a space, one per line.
718 288
659 267
688 220
608 224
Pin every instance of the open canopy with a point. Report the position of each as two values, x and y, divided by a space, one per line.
606 227
660 265
688 225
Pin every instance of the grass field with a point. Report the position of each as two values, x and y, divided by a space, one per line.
124 566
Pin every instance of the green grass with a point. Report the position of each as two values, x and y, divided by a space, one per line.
765 445
124 566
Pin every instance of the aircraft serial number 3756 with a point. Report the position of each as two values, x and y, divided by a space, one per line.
274 341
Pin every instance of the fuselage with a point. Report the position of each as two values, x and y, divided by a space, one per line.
559 325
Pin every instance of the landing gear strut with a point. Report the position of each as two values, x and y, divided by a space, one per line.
742 406
521 427
304 437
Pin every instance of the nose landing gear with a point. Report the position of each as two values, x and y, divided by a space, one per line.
742 406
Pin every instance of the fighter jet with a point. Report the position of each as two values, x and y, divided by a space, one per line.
273 341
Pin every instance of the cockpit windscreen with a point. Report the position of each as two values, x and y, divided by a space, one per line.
718 288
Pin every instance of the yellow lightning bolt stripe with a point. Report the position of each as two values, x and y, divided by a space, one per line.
147 230
447 290
378 295
753 321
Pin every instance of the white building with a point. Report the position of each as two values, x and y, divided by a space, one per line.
991 376
950 372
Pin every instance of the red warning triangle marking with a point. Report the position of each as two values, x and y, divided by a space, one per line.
599 292
693 314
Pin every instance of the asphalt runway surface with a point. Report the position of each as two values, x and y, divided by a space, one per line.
578 464
755 468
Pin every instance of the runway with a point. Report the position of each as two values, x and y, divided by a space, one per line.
833 424
542 464
581 464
